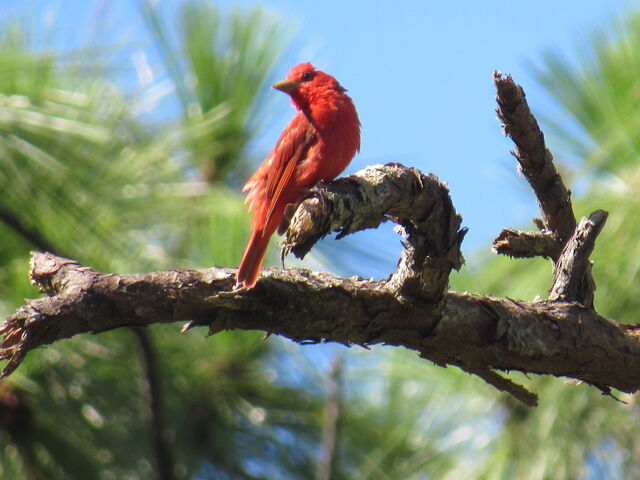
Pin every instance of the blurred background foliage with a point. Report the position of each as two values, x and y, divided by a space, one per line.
136 175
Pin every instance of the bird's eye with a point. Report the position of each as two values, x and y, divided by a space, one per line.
306 76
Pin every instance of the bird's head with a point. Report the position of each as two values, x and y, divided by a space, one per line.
304 84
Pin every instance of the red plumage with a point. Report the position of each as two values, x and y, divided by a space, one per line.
317 145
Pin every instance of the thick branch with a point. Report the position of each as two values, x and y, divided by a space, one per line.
535 159
477 333
418 203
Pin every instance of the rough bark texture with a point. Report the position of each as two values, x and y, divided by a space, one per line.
563 336
477 333
534 158
516 244
418 203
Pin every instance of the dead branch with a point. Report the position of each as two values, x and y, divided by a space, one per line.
563 336
572 279
566 243
474 332
534 157
517 244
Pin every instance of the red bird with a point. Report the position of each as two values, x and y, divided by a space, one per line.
317 145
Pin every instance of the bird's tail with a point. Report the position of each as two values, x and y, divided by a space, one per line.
252 259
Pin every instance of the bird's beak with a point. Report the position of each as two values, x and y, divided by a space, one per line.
286 86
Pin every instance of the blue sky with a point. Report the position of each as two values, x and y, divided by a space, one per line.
420 73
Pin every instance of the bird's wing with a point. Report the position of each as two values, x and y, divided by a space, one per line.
292 148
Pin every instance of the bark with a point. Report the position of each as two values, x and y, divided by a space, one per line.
563 336
516 244
534 158
329 445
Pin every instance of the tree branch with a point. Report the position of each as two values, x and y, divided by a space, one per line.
566 243
517 244
477 333
418 203
534 157
482 335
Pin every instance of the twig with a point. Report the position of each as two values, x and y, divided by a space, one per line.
517 244
572 279
504 385
534 158
568 244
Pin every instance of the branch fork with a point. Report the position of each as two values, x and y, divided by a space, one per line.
561 238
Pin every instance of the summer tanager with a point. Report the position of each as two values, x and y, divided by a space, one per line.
317 145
